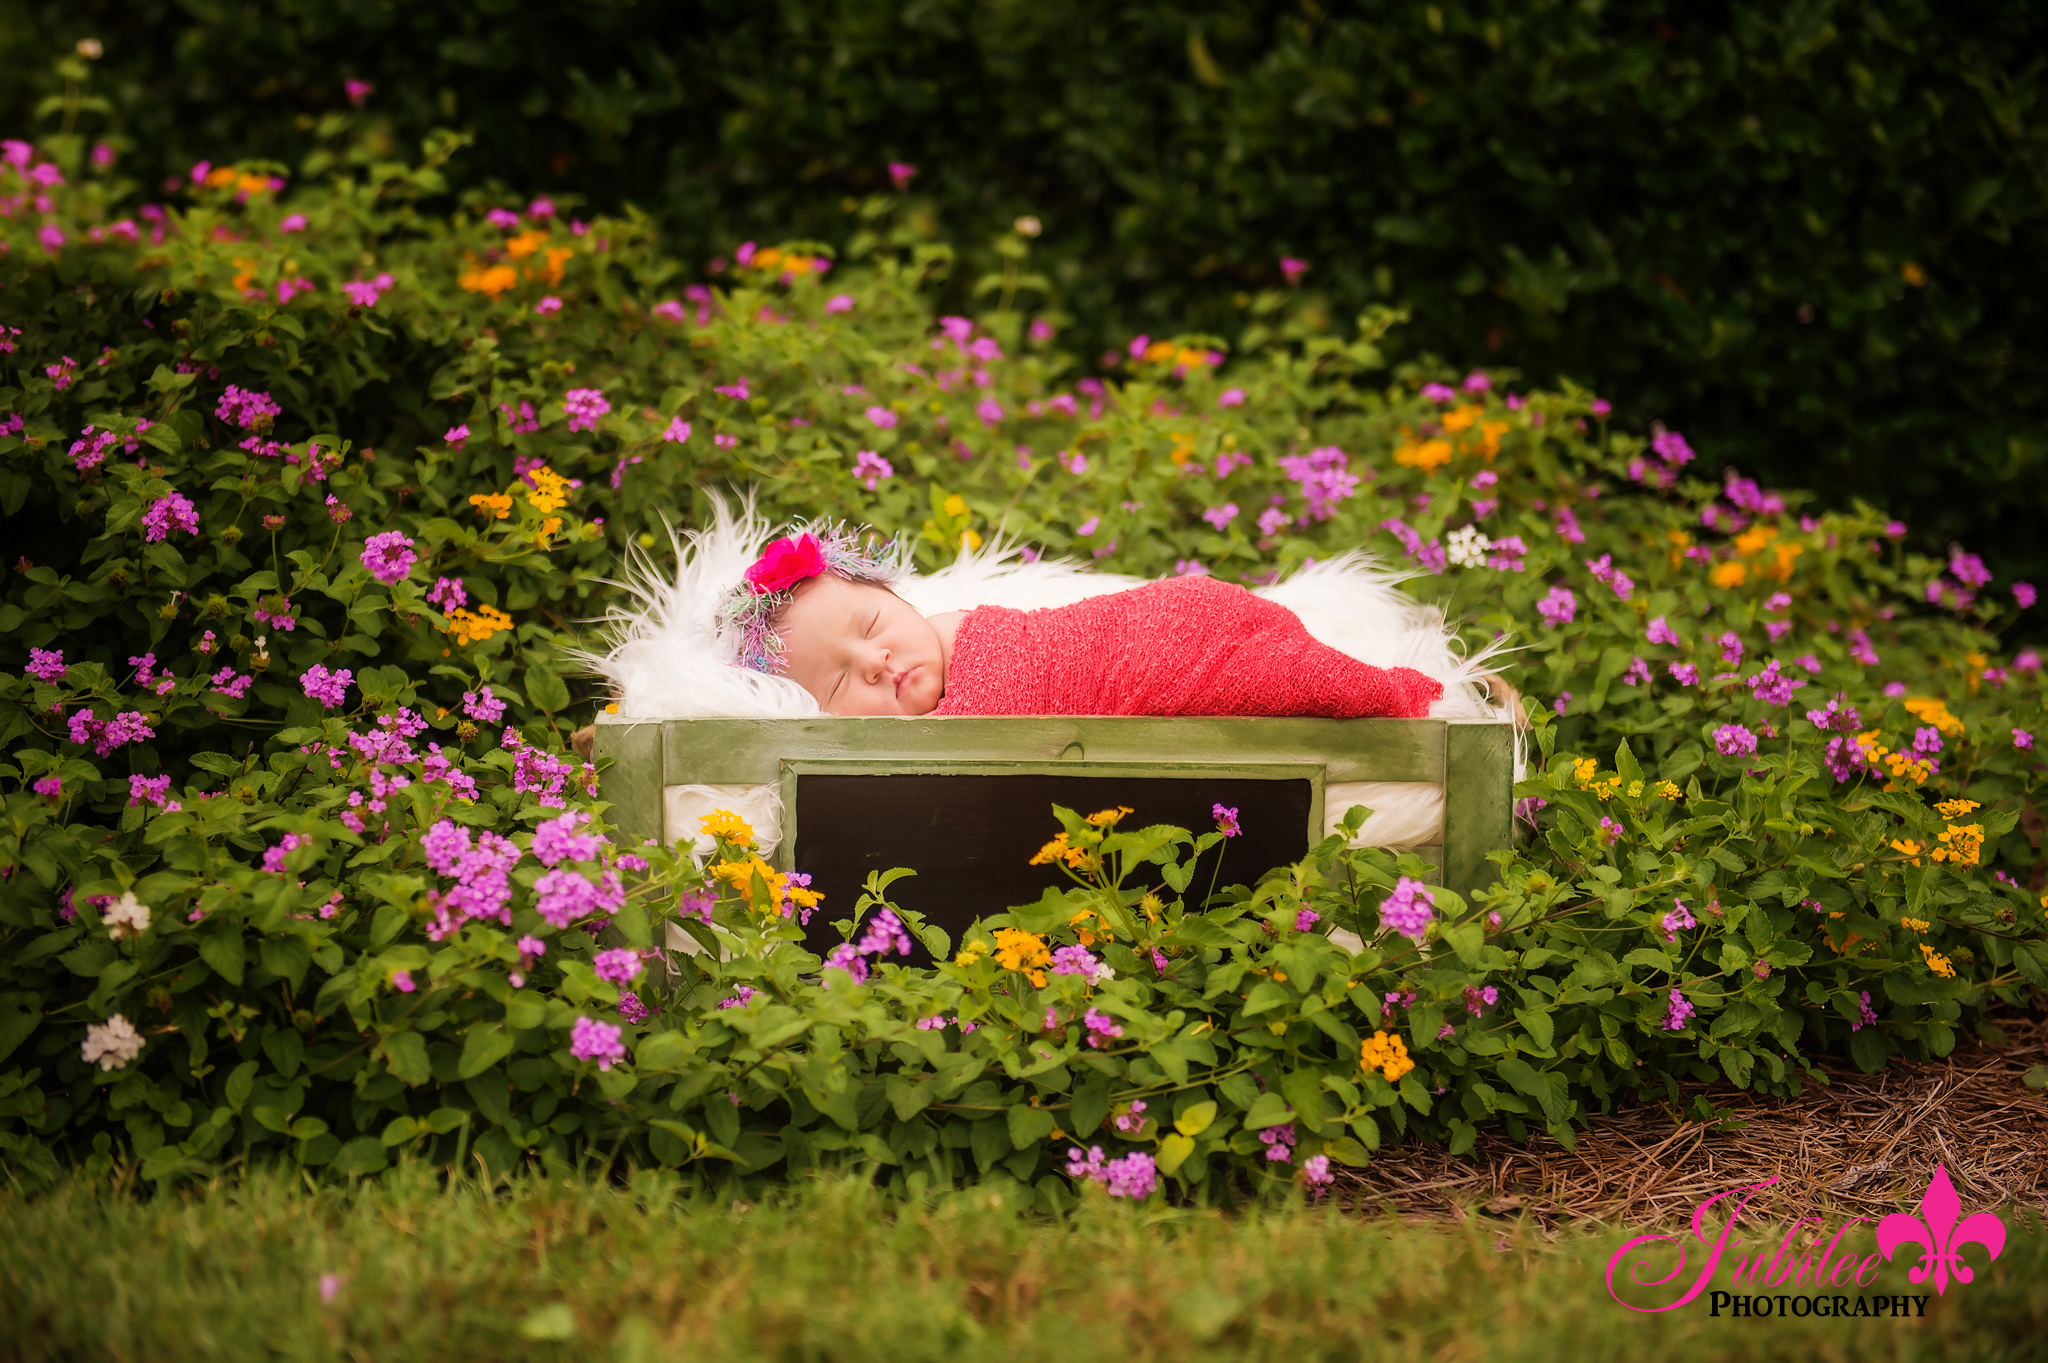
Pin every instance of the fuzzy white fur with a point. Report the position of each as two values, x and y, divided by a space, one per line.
668 659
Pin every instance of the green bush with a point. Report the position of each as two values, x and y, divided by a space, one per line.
310 487
1810 237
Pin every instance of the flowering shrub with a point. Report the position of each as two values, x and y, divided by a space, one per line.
297 861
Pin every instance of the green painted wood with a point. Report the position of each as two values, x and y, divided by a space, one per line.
751 751
630 776
1478 802
794 769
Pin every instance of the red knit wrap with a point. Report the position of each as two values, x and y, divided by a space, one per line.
1185 646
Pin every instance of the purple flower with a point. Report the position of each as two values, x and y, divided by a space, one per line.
1559 608
558 840
593 1040
882 417
456 435
1279 1142
1439 392
1968 569
1677 1013
1408 909
483 707
583 406
1304 919
1316 1175
249 410
1685 674
2022 740
329 688
1772 688
1076 960
358 91
1325 479
1507 554
901 173
50 787
149 790
847 957
1671 447
1894 689
364 293
1660 633
548 305
839 302
631 1009
402 981
1226 820
885 933
448 593
562 896
47 664
1101 1027
1231 397
167 513
621 966
870 468
1733 740
1868 1015
1221 516
1638 674
1679 918
389 556
2023 594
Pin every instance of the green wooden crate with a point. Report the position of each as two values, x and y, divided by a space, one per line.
1471 761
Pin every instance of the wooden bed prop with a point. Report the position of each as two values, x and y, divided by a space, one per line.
965 801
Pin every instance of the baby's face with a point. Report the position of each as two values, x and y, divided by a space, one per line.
861 649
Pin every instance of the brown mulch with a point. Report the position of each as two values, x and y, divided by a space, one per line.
1859 1145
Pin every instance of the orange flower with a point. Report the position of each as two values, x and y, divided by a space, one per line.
475 627
492 281
525 244
1429 454
497 505
1728 575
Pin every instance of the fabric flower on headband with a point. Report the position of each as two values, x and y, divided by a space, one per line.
750 609
785 563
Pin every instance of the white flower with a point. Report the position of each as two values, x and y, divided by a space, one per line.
1104 973
126 915
113 1043
1467 547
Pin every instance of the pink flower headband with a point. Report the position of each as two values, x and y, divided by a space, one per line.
771 583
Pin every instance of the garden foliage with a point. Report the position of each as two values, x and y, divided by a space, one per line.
311 493
1810 235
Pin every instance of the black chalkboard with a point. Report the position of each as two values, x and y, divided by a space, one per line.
971 838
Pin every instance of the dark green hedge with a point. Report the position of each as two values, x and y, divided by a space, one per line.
1810 236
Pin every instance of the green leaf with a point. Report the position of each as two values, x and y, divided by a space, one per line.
556 1322
1196 1119
486 1044
1173 1152
405 1055
363 1155
1270 1110
1266 996
546 690
1091 1105
1538 1024
1029 1125
220 946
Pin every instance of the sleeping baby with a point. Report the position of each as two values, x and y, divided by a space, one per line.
816 607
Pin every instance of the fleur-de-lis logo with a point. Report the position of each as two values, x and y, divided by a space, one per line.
1939 1235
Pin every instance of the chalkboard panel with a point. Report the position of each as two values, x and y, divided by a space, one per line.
971 838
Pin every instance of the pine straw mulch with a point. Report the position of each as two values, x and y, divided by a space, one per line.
1862 1144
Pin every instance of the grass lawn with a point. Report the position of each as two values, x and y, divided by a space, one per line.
836 1271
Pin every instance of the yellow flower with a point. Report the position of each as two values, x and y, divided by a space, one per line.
1907 847
1159 352
1150 907
1386 1053
223 177
1058 850
1782 570
1955 809
550 490
971 953
1183 446
473 627
1915 924
497 505
1933 710
956 505
1583 770
740 875
1190 359
969 540
1913 274
729 827
492 281
552 271
1017 949
1106 818
1961 844
1728 575
1490 433
1088 925
1937 962
1669 790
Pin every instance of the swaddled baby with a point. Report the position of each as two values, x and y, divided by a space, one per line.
816 608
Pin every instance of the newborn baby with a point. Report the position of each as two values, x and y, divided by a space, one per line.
817 608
